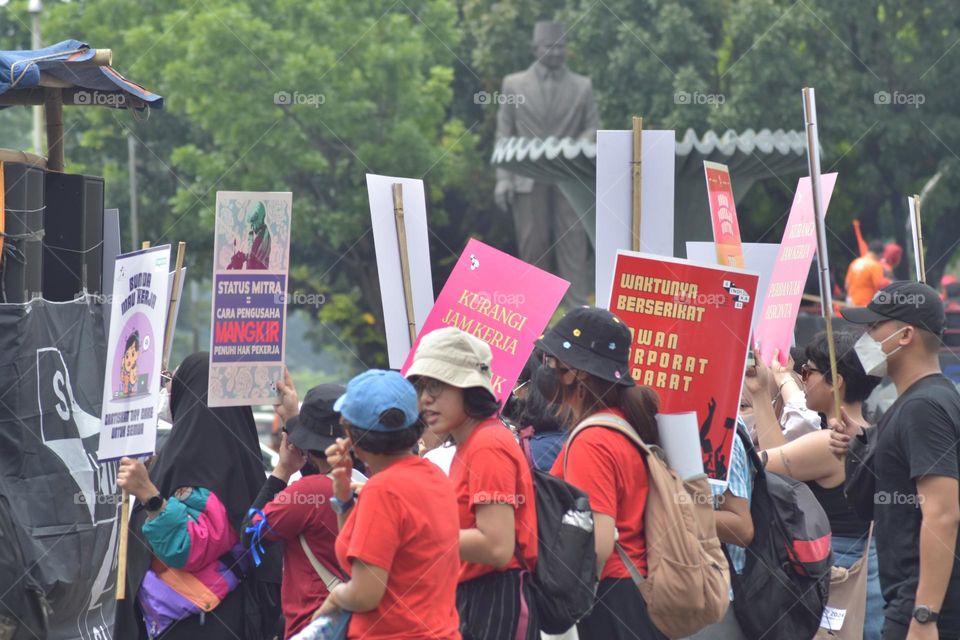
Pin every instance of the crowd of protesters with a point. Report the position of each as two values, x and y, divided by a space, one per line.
405 507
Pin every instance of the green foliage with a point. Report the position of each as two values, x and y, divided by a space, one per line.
388 88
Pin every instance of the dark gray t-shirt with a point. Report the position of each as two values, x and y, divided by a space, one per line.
918 436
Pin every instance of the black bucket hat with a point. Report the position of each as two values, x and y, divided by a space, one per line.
318 425
592 340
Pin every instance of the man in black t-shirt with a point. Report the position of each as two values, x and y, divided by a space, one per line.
915 462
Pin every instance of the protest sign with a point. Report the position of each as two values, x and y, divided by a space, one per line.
504 301
758 257
131 383
690 325
723 215
614 198
387 244
251 252
774 330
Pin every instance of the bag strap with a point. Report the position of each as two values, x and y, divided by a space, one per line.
525 435
614 423
325 574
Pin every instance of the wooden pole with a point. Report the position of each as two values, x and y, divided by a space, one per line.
921 260
174 301
404 260
53 109
826 291
637 166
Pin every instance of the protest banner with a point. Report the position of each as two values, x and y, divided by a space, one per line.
723 215
386 241
690 326
251 253
504 301
131 383
615 182
758 257
774 330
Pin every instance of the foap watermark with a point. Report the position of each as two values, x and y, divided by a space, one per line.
301 299
503 298
899 299
897 498
486 98
498 497
296 98
99 99
715 300
697 98
110 499
695 499
910 99
300 499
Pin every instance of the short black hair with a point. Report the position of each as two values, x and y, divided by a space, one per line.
876 246
387 442
133 340
859 385
478 403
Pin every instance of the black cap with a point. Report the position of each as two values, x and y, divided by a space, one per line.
592 340
318 425
915 303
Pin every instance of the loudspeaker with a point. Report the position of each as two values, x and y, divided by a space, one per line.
21 265
73 236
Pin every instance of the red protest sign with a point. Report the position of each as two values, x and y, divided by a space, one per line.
723 213
690 325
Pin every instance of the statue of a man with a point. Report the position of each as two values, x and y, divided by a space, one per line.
547 100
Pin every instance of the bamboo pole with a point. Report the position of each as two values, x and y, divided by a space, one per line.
826 292
921 260
404 260
637 166
174 301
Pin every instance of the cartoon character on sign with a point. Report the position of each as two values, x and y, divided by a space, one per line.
258 236
129 380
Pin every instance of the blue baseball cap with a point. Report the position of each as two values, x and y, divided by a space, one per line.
373 392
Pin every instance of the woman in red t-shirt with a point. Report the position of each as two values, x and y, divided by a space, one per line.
492 482
399 540
588 351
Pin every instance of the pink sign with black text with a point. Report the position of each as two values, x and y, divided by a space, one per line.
500 299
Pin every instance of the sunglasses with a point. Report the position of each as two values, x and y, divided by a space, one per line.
431 386
806 371
551 362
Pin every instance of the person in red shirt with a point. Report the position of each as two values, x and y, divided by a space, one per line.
588 351
293 514
492 482
399 539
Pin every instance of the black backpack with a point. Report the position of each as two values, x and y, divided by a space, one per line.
23 604
783 590
565 580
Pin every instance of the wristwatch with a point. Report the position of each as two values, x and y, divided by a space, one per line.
154 504
340 507
924 614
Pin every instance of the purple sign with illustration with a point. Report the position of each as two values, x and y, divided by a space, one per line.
131 382
248 318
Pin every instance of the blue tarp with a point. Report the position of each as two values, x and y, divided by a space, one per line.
94 86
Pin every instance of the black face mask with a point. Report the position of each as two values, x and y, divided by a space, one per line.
547 381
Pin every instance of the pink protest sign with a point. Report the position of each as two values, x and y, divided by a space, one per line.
504 301
780 307
723 213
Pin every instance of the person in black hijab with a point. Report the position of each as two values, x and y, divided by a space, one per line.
218 450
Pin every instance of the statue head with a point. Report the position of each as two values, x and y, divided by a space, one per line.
549 43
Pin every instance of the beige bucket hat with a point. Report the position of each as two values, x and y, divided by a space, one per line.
454 357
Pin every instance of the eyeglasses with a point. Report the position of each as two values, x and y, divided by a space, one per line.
165 378
806 371
551 362
431 386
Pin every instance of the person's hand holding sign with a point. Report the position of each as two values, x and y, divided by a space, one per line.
289 405
842 431
757 384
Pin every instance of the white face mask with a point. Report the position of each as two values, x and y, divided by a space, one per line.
871 354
